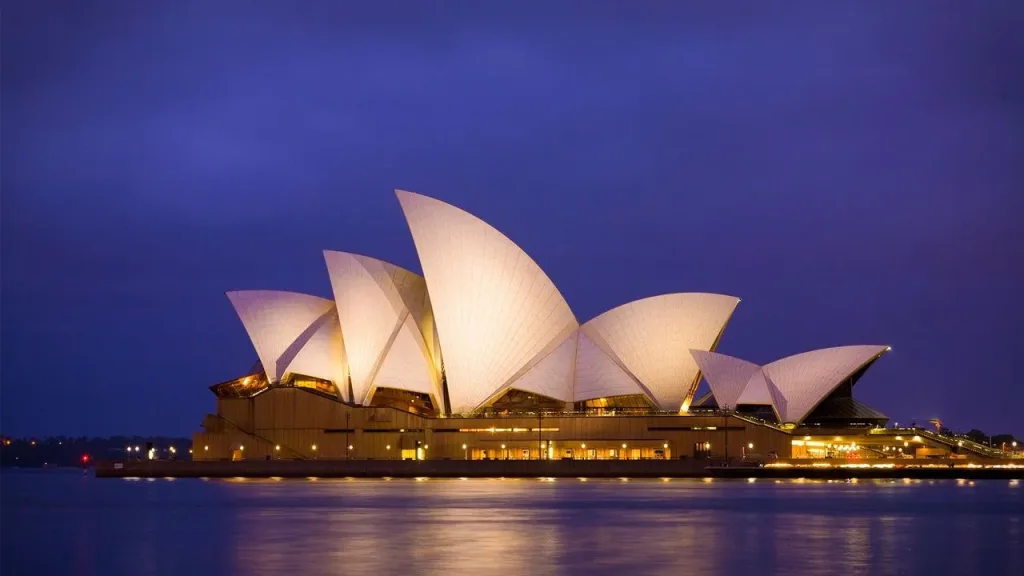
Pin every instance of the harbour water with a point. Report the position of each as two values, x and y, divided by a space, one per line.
61 522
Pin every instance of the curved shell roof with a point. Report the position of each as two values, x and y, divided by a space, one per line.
728 377
323 355
650 340
599 376
290 330
382 308
497 313
804 380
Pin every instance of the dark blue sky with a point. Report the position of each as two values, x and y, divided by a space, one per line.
854 171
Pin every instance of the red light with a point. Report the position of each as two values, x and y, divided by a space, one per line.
85 458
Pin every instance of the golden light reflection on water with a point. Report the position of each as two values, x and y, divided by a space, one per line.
460 526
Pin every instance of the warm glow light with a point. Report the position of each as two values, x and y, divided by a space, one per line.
206 448
314 447
583 445
665 445
241 447
750 446
350 447
623 445
463 446
388 447
278 447
751 480
426 446
502 446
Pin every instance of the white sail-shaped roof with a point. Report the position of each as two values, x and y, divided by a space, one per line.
804 380
323 355
599 376
381 308
551 376
496 311
727 377
651 339
280 324
757 391
406 366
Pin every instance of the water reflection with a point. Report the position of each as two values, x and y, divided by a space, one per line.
509 527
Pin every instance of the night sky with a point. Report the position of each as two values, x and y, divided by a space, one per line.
854 171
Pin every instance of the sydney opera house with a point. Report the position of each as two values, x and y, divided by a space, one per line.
482 358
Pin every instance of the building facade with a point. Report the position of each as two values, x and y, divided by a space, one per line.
481 357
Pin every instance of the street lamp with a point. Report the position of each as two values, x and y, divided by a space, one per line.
465 450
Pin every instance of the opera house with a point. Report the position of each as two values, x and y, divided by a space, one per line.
482 358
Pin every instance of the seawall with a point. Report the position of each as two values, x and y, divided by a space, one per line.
521 469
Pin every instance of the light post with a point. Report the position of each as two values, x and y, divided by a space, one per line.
465 452
584 446
540 434
623 455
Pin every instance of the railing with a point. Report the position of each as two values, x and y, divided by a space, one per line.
962 442
951 441
575 413
759 422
